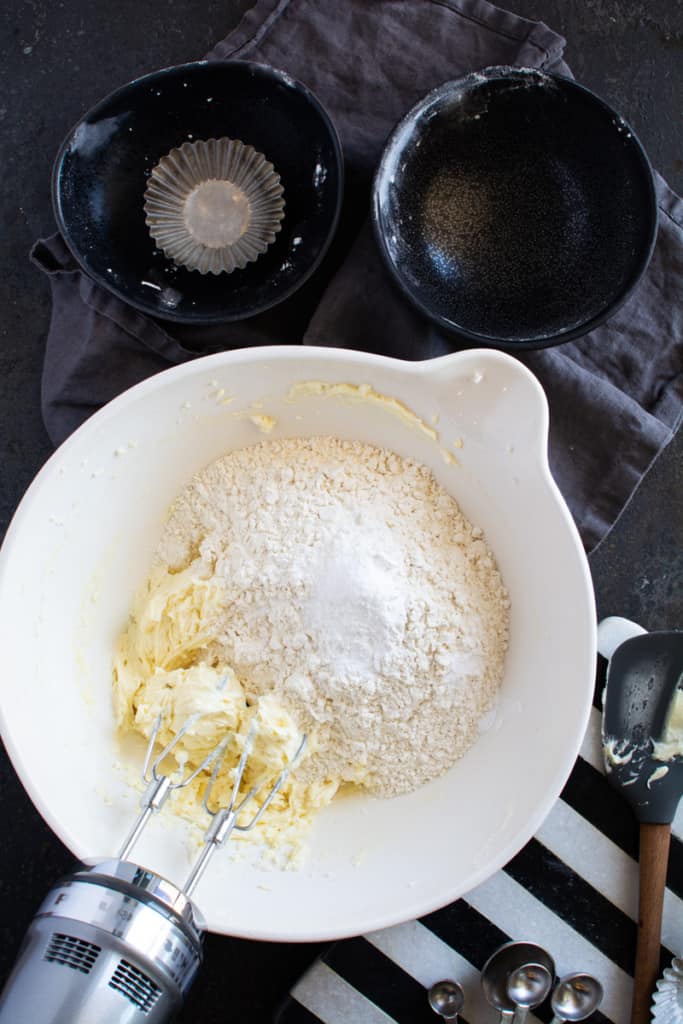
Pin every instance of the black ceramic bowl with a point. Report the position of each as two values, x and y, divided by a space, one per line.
514 208
102 168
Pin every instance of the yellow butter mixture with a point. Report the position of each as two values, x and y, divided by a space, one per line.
160 668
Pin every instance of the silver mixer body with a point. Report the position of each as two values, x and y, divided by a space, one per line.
112 943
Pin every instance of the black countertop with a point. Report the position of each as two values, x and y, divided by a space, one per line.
59 58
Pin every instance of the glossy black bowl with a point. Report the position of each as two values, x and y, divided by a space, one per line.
514 208
101 172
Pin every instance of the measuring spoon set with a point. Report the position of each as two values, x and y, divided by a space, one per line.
517 978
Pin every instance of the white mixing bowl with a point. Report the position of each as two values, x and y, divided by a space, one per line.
81 542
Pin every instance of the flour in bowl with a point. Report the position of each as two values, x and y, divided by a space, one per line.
324 586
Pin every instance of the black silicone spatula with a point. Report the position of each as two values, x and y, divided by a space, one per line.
644 675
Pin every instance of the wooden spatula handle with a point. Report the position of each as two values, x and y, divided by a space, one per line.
654 857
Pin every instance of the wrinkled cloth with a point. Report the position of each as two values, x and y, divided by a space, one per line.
615 395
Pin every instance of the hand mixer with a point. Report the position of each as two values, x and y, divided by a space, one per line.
115 943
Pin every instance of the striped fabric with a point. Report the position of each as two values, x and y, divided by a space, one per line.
573 889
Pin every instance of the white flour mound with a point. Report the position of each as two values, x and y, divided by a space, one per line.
355 591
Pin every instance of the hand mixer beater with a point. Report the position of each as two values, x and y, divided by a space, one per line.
115 943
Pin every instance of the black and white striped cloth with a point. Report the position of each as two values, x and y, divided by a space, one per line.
573 889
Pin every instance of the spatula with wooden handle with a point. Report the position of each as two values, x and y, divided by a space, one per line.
642 739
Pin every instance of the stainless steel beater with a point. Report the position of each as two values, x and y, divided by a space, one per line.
116 943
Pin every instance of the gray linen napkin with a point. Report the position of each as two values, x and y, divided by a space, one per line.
615 395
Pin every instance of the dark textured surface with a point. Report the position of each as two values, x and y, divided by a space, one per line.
105 162
58 59
518 209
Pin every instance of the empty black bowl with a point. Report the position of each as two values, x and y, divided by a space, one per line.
102 168
514 208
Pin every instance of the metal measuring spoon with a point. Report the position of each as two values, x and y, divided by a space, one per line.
501 964
575 998
447 999
527 987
